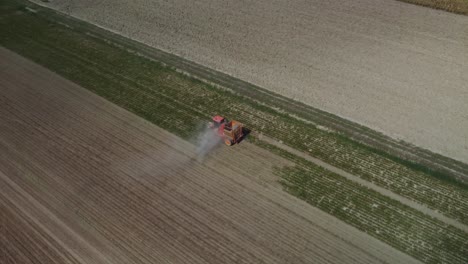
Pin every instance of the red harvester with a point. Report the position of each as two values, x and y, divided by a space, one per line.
231 131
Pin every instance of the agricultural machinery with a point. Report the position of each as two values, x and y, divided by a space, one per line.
230 131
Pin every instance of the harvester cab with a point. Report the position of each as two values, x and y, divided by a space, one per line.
230 131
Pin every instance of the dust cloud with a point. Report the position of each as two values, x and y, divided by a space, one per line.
206 141
178 159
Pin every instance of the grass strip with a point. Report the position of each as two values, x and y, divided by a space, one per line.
454 6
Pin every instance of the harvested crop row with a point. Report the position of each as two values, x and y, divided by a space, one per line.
20 232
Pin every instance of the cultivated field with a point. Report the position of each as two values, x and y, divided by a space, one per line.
177 103
419 211
84 181
394 67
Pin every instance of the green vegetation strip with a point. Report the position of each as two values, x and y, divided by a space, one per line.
455 6
390 221
402 227
178 103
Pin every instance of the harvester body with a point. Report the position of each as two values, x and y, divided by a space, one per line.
231 131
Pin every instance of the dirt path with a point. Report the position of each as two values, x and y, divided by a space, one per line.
83 181
391 66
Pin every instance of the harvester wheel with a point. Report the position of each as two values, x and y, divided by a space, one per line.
228 142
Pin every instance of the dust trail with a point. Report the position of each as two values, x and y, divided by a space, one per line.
177 161
207 140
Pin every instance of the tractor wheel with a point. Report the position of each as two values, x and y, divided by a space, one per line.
228 142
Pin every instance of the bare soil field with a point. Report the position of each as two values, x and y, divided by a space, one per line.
84 181
394 67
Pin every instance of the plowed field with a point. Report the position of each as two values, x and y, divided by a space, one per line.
84 181
391 66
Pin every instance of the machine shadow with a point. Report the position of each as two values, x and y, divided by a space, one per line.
245 134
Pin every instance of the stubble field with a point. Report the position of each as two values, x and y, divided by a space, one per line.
394 67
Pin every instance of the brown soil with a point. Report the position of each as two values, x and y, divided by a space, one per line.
83 181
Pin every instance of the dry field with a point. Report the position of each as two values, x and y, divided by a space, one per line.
84 181
394 67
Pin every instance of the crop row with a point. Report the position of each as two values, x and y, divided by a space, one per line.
404 228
